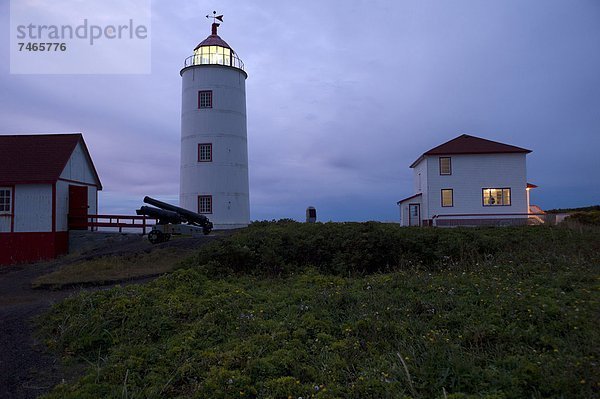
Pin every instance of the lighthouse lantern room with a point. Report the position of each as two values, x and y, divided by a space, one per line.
214 145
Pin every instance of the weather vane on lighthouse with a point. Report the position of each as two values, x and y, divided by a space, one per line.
215 17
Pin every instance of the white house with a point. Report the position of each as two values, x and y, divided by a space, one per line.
48 185
468 181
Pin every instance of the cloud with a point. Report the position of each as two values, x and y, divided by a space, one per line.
343 97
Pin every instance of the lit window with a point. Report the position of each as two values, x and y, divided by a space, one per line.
447 197
205 99
205 204
205 152
445 166
496 196
5 200
213 55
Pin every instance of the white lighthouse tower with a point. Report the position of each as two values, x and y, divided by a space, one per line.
214 143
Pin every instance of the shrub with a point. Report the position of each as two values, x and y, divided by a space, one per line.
591 218
284 248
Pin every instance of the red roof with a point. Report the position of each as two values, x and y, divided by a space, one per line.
213 40
465 144
38 158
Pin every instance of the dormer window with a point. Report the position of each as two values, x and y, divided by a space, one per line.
445 166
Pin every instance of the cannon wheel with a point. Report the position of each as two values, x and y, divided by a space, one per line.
155 237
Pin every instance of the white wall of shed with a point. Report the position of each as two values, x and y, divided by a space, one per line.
33 208
78 168
5 223
62 203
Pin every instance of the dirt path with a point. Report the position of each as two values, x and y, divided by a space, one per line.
27 370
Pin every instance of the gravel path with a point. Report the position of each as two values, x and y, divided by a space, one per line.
27 370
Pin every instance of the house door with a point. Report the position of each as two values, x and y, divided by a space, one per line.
78 207
414 214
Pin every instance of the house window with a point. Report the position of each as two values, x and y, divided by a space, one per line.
447 197
205 152
205 99
496 196
205 204
445 166
5 200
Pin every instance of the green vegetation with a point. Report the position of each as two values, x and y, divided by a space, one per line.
584 216
591 218
572 210
113 268
367 310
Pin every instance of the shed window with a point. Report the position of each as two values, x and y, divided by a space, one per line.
445 166
205 152
447 197
496 196
205 204
5 200
205 99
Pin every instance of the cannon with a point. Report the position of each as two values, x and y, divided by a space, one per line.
163 216
173 220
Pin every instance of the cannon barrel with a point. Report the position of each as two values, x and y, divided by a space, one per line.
187 216
163 216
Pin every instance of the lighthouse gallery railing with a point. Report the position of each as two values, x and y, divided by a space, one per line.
214 59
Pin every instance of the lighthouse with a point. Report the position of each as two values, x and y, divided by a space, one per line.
214 140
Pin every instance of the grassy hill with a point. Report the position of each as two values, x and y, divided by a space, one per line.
352 310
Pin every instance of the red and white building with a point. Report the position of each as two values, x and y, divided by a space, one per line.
469 181
48 185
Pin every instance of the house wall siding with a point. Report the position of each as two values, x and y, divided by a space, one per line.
405 211
421 168
472 173
33 208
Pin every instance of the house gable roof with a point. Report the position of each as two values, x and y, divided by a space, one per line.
465 144
408 198
38 158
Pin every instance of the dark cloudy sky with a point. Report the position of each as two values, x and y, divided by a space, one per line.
342 97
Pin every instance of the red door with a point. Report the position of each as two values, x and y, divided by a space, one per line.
78 207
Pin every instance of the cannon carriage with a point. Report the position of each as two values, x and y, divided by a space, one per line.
173 220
